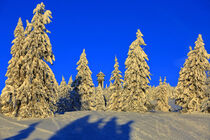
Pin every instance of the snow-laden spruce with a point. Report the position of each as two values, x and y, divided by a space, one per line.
162 97
83 87
136 78
191 86
115 88
37 95
14 77
64 103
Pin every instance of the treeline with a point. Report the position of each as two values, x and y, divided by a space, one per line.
31 90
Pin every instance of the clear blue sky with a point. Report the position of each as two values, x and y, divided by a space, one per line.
106 28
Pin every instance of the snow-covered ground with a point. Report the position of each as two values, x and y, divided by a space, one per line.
84 125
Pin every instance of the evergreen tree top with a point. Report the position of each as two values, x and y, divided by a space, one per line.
37 37
200 49
116 63
28 27
139 36
63 82
19 28
160 81
63 79
190 48
41 15
164 81
19 38
70 80
115 59
39 8
199 42
138 33
83 59
83 52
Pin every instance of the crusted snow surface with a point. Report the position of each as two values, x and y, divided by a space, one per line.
85 125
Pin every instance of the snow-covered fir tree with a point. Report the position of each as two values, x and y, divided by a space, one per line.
136 78
64 102
14 79
83 87
99 100
162 97
191 86
115 88
37 95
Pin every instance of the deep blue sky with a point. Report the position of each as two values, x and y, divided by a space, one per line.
106 28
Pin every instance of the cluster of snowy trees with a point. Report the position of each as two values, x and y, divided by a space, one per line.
31 90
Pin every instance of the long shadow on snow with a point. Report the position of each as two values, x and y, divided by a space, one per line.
23 134
82 129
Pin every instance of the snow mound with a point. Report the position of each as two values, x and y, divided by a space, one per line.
85 125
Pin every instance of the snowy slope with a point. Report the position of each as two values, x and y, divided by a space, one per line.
86 125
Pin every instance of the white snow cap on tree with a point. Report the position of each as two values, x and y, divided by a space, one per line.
83 85
136 78
191 86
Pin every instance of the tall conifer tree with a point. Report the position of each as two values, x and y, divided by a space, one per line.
83 86
136 78
37 95
191 86
14 79
115 88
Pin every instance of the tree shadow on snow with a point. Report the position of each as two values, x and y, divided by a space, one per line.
24 134
82 129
